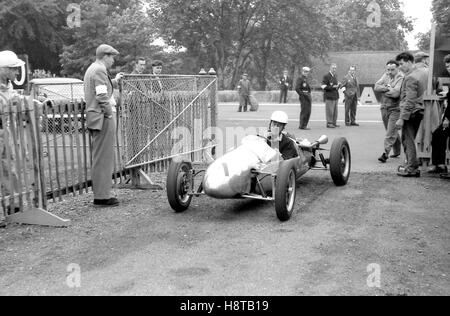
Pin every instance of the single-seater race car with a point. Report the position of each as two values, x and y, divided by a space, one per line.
256 170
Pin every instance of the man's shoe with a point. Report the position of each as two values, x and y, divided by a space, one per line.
3 224
305 128
395 156
106 203
331 126
445 176
383 158
354 124
409 174
336 126
437 170
348 124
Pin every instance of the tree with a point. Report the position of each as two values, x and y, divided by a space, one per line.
243 35
353 29
424 41
33 28
441 13
122 24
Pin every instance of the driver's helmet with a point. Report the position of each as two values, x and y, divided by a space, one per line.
280 117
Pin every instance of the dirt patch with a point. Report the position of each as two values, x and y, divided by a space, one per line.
239 247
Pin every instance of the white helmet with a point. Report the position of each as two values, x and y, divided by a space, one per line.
280 117
9 59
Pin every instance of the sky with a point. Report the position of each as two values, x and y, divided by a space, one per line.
421 11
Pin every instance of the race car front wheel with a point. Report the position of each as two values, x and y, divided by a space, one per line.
286 190
340 162
179 185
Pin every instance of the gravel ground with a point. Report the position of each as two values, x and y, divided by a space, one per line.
238 247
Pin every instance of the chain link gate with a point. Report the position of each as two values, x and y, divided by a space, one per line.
163 117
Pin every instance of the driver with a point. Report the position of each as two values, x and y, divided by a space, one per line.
288 145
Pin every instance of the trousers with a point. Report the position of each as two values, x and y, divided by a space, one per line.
331 111
409 134
392 140
305 113
103 159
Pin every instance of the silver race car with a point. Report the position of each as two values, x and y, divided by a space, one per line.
256 170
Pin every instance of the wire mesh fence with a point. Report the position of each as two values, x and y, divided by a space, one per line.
166 116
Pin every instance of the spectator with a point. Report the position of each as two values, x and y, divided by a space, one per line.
139 66
98 90
157 85
411 109
352 94
9 63
330 85
285 85
244 89
441 136
390 86
304 91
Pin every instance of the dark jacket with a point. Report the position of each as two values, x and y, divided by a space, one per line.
351 86
302 87
329 81
288 148
286 83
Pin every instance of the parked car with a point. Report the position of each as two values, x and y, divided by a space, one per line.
53 91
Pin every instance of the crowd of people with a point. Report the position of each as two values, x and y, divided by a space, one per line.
403 87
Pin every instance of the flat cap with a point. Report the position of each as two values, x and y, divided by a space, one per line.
157 63
421 55
245 74
306 69
105 49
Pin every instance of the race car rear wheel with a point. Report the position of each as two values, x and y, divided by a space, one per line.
179 185
286 190
340 162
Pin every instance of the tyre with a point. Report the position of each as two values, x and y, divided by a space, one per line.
286 190
178 186
340 162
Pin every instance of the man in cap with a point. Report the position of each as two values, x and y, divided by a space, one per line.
244 90
98 90
304 91
9 64
411 109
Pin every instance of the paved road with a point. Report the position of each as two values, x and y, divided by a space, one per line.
366 141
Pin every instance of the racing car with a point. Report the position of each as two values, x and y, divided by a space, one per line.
257 171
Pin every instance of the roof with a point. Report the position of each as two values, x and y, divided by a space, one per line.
48 81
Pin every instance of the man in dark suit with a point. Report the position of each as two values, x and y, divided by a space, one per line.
304 91
330 85
352 95
286 84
